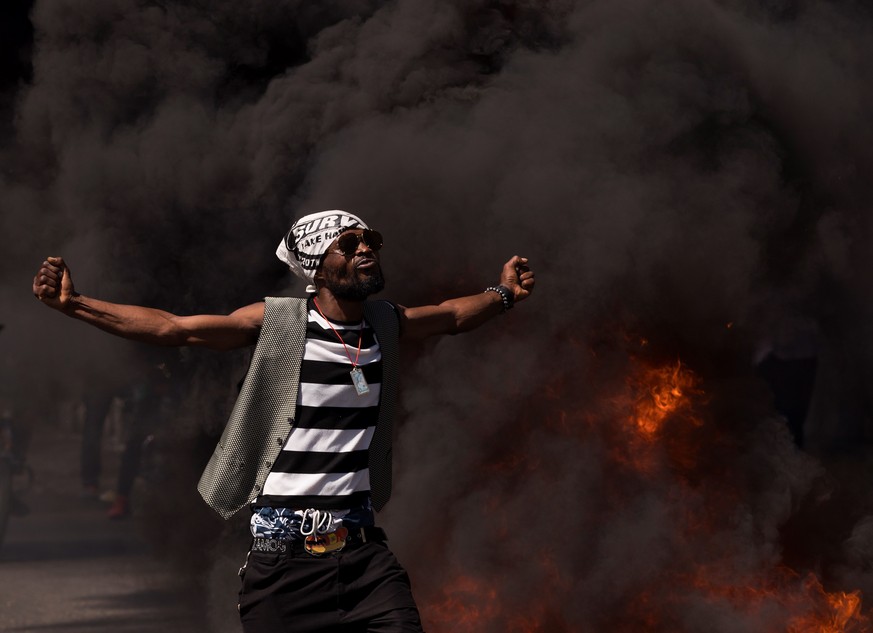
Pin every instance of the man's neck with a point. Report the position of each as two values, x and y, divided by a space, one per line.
337 309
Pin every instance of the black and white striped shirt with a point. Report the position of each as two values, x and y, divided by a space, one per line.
324 463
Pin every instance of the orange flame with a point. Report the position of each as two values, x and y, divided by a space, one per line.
663 392
466 604
838 612
657 400
656 406
806 606
469 605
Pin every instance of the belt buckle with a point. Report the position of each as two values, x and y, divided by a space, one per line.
321 544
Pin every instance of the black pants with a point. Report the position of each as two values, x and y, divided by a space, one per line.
359 590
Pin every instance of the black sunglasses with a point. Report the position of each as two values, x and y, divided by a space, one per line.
347 243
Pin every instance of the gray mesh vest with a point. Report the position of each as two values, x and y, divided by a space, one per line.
264 411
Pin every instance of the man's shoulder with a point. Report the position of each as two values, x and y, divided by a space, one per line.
283 309
383 315
283 300
384 306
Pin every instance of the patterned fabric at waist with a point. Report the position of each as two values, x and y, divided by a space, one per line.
285 523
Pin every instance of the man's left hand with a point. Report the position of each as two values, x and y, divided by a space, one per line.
518 277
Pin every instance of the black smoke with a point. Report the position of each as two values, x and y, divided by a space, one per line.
690 174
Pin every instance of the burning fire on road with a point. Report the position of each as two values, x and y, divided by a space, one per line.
676 534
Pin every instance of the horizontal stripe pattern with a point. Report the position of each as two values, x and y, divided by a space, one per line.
350 337
338 373
336 417
321 462
317 483
320 502
331 351
329 440
338 395
324 462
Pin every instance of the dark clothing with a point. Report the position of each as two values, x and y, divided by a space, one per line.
358 590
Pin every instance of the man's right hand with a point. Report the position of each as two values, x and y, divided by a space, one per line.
53 284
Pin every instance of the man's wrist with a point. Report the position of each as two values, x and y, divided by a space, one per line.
70 306
506 296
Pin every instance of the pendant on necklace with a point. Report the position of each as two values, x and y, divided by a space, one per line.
359 381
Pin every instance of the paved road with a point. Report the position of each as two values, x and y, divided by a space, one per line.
66 567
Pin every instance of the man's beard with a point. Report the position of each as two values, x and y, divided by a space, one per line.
356 289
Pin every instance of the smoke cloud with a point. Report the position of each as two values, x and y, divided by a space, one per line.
689 181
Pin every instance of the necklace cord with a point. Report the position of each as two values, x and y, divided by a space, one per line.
345 347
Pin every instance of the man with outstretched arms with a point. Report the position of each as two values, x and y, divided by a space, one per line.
313 468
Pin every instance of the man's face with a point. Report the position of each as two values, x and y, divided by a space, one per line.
351 275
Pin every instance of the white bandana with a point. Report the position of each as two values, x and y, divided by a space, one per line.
304 246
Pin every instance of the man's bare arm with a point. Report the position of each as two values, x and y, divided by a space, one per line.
467 313
53 285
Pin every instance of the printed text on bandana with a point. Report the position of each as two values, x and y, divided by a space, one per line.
321 227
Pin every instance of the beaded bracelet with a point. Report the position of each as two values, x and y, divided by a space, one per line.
505 295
